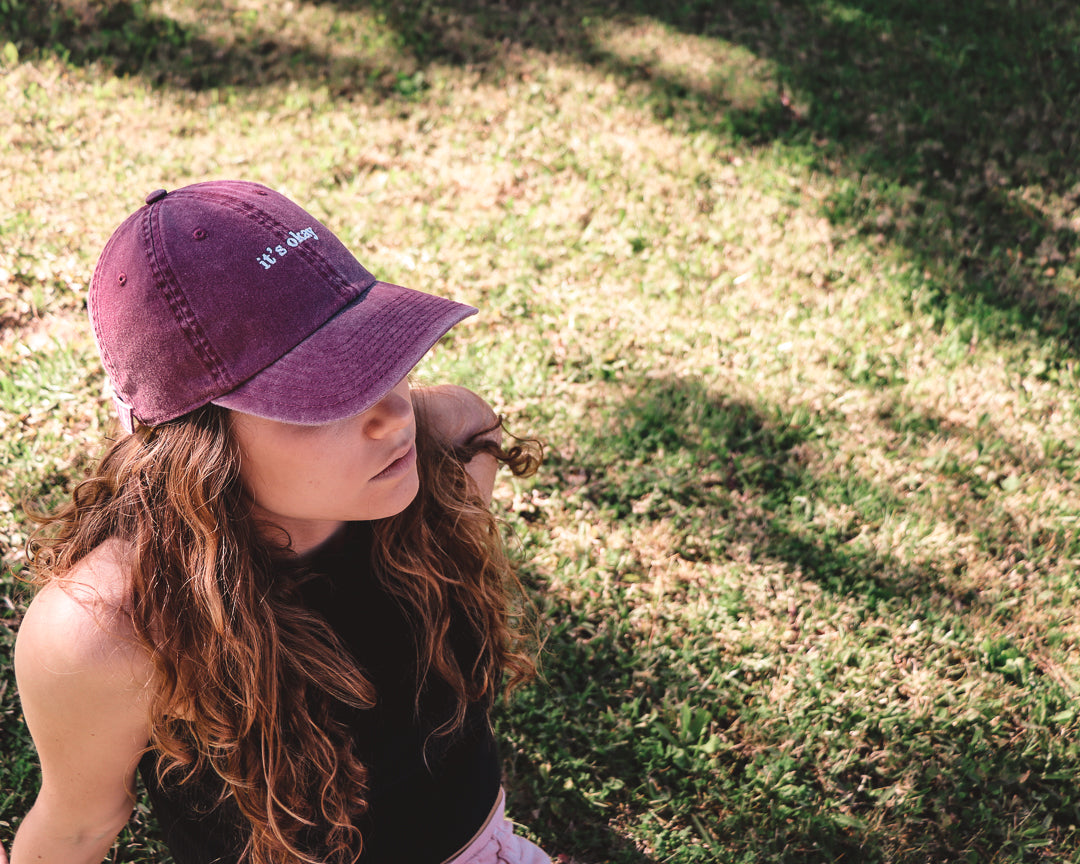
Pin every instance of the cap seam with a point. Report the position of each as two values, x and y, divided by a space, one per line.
178 301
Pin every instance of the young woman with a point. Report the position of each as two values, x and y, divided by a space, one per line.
280 597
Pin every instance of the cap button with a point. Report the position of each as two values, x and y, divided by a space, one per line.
156 195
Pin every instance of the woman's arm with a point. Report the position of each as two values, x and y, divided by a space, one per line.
457 415
84 685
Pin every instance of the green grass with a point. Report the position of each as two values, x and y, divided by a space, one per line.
789 289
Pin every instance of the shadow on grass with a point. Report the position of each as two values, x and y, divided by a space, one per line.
671 727
725 475
952 128
129 39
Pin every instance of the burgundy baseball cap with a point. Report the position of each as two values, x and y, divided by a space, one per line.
229 293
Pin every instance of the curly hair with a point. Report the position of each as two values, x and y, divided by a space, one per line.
247 676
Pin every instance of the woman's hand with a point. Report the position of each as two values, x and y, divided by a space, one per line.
458 416
455 414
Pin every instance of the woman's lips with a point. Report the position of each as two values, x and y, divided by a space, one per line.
399 466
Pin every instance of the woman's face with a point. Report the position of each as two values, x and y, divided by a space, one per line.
309 480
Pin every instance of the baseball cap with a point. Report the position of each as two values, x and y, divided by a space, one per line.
227 292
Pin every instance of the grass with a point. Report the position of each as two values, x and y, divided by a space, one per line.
789 288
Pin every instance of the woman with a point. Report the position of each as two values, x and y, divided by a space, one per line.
280 598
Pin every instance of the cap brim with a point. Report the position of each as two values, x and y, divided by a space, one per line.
352 361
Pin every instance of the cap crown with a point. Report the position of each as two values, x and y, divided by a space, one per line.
205 286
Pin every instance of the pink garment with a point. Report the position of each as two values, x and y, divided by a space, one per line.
496 843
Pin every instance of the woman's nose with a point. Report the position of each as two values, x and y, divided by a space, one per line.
389 415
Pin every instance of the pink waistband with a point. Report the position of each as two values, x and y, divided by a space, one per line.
496 843
484 833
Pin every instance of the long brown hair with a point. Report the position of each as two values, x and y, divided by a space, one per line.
247 676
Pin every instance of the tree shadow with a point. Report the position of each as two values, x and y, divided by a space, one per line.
957 126
130 40
725 475
727 459
954 126
952 129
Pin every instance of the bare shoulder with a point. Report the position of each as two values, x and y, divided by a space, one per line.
78 628
456 412
86 685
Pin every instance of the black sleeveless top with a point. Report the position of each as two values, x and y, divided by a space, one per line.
428 795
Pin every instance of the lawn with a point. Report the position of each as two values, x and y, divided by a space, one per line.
789 289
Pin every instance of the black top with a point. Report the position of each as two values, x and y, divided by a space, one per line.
425 802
